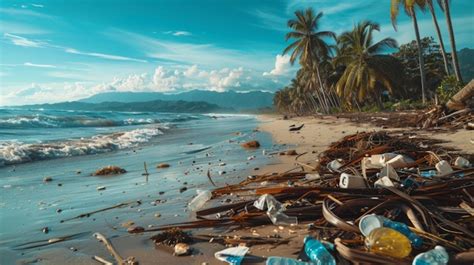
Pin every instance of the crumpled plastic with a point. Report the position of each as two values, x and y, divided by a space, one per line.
274 210
233 256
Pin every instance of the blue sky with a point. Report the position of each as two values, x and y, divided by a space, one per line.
56 50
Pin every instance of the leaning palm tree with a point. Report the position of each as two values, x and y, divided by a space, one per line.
430 5
309 45
409 6
445 6
367 69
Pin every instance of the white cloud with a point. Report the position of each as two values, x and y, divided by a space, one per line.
179 33
271 21
191 71
22 41
37 5
282 66
103 55
39 65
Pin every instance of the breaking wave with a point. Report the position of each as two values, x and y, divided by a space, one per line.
12 152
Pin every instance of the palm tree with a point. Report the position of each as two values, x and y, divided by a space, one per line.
367 70
409 6
309 45
445 6
430 5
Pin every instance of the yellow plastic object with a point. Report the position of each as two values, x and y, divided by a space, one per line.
386 241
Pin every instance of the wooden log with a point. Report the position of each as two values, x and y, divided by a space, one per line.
458 101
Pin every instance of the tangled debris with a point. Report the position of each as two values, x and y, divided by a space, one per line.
398 176
250 145
109 170
171 237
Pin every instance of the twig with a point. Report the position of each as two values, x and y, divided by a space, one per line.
146 174
110 248
305 165
100 210
47 242
210 179
102 260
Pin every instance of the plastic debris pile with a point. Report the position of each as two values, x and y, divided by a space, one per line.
384 197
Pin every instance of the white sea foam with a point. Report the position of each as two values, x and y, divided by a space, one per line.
12 152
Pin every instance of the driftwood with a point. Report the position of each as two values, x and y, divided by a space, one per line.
458 101
110 248
47 242
102 260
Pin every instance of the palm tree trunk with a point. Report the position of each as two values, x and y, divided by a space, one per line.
454 55
440 37
420 57
458 101
326 107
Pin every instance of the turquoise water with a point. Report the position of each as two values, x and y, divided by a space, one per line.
70 146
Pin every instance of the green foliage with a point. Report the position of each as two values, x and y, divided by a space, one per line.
434 67
448 87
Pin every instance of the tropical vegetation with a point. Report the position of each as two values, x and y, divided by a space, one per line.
353 71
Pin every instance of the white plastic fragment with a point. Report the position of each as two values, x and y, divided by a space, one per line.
334 165
462 162
312 176
233 256
384 181
389 171
202 197
399 161
443 167
348 181
275 210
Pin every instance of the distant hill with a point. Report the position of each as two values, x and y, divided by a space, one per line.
152 106
466 63
229 99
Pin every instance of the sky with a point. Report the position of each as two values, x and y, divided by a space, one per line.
56 50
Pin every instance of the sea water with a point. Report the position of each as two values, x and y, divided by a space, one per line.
69 146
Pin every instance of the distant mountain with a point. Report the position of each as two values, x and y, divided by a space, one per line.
230 99
466 63
152 106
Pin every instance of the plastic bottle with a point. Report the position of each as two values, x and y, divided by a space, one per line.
436 256
285 261
199 201
317 253
415 240
389 242
429 173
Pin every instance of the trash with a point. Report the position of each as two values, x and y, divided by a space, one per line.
334 165
285 261
233 256
202 197
250 144
251 158
317 252
163 165
389 242
443 167
383 181
436 256
462 162
313 176
348 181
369 223
109 170
389 171
181 249
274 210
399 161
429 173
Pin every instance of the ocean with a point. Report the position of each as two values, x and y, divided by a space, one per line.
69 146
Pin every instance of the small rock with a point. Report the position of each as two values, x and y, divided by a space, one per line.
161 192
251 144
101 188
181 249
163 165
135 229
60 184
157 215
59 210
183 189
291 153
47 179
45 230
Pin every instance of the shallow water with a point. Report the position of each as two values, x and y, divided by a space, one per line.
28 204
